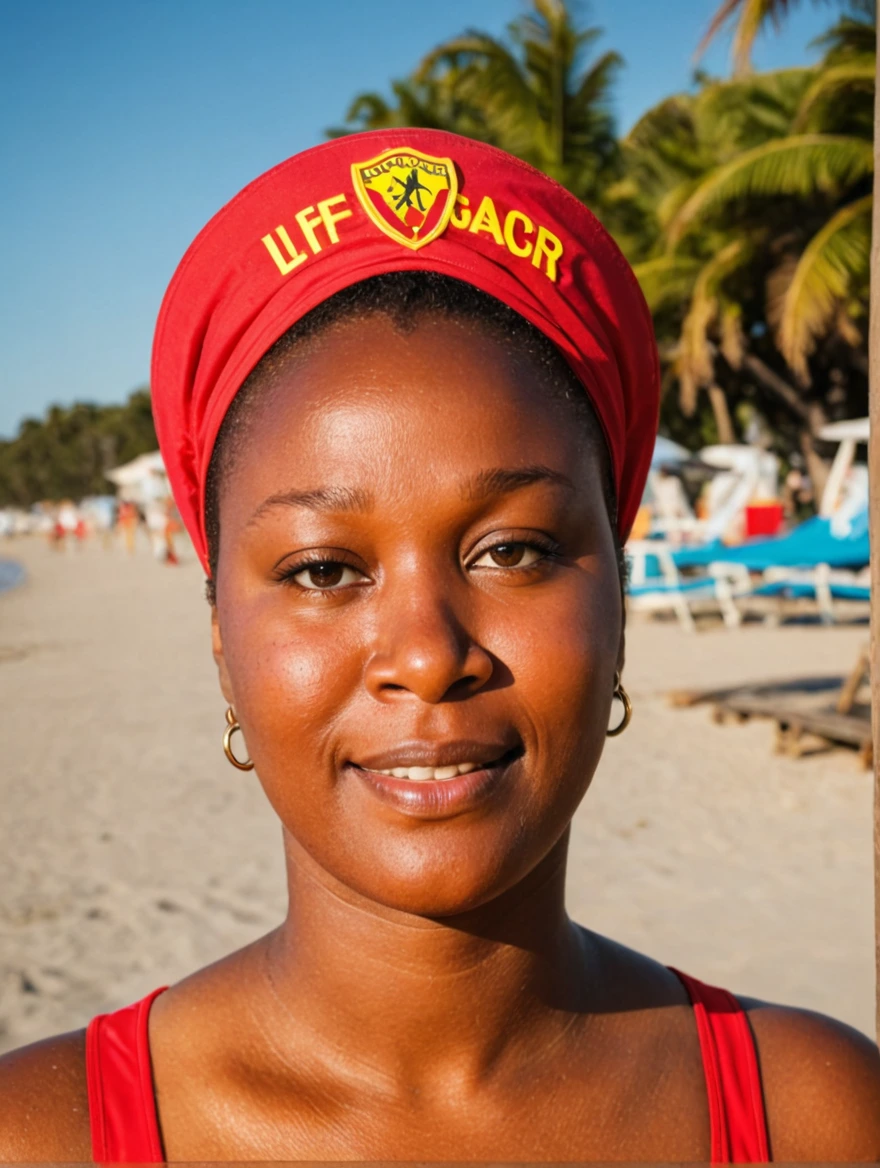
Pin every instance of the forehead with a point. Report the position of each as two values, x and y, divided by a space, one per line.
365 379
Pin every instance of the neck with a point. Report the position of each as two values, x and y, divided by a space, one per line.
415 996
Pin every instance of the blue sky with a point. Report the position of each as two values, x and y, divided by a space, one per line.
128 123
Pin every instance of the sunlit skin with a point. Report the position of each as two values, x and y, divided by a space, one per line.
467 608
416 557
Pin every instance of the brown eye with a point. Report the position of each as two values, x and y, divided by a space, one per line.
325 576
509 555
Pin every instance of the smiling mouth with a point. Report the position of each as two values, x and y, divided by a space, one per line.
441 774
419 791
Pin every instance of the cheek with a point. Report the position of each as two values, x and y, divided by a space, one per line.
293 682
563 654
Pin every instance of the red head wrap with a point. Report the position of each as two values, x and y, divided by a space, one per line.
387 201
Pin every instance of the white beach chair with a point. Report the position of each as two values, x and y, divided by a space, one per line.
656 586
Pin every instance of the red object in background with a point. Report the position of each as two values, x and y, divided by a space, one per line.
763 519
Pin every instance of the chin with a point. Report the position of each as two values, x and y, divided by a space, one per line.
444 877
374 851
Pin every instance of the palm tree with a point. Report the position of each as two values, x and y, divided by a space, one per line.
700 284
825 161
535 94
751 16
416 101
751 202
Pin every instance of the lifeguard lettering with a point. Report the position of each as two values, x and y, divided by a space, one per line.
308 222
514 233
295 258
461 218
523 249
316 229
486 219
549 245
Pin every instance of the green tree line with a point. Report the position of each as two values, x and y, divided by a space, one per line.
66 454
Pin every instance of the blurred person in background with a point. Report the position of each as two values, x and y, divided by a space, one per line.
127 520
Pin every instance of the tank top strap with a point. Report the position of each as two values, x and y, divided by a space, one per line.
733 1081
119 1075
125 1127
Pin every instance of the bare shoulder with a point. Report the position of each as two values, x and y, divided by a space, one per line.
44 1107
821 1084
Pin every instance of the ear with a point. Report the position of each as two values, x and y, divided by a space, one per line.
219 658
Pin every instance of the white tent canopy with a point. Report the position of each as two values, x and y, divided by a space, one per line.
141 480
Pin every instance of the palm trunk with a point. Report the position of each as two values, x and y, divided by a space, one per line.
777 385
817 467
810 415
723 424
874 505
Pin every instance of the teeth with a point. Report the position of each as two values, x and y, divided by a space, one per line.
419 774
445 772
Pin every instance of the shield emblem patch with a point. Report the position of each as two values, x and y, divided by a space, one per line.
407 194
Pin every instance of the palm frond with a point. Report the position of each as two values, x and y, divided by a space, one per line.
854 74
483 62
836 259
670 205
852 35
752 16
597 80
799 165
741 113
733 341
368 111
667 279
695 360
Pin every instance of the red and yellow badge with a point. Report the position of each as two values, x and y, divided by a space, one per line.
408 195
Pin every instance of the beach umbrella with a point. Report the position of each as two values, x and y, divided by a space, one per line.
667 452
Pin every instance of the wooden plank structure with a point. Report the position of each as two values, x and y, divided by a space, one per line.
802 711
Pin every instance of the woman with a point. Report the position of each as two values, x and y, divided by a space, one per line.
406 391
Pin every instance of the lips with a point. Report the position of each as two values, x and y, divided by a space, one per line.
415 754
428 774
424 786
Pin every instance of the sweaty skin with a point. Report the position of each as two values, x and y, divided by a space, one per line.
417 565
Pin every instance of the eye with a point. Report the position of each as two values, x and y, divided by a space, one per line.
512 554
325 576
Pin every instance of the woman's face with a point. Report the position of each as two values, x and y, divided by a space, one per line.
417 571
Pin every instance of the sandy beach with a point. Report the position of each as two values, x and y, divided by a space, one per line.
132 853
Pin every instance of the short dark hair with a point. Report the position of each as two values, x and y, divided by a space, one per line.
404 298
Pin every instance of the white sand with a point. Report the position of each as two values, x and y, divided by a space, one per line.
131 852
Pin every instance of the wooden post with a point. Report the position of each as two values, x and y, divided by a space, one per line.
874 520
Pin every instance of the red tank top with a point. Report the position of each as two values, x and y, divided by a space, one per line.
125 1127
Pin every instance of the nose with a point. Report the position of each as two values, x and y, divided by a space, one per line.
424 649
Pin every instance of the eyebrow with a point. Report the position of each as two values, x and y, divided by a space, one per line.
503 480
497 481
319 499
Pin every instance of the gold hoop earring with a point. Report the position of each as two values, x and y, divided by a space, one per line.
623 697
231 727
